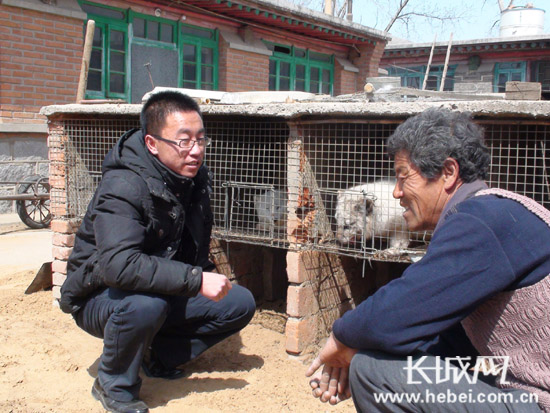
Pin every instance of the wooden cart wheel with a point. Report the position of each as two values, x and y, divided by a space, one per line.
34 213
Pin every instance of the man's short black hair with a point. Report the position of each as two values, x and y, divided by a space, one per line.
160 105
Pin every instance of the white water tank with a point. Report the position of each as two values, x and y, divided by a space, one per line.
521 21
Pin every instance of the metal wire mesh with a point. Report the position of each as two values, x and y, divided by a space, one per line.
349 195
309 185
518 154
248 161
87 142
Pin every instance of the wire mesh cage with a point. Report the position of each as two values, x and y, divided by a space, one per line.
308 184
345 202
248 161
518 158
84 146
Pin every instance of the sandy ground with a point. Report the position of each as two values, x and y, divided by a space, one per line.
47 364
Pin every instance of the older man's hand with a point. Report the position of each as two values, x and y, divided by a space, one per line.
331 385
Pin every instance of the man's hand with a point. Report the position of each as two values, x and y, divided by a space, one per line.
214 286
332 385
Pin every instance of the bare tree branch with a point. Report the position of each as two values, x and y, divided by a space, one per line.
402 5
501 5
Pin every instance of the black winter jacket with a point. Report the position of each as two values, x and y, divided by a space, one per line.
146 229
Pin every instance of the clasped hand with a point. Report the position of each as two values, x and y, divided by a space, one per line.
332 384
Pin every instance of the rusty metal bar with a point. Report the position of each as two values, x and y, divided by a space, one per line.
24 197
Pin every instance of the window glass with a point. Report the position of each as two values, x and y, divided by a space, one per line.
285 69
166 33
98 37
94 80
272 75
314 80
117 61
207 74
320 57
200 54
293 68
301 78
508 71
325 86
117 40
139 27
431 83
108 65
299 53
197 31
152 30
188 52
117 83
326 76
282 49
95 60
103 11
207 56
189 72
284 76
284 83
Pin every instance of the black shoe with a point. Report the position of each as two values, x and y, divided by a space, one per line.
154 368
134 406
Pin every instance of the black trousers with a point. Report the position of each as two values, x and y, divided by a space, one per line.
177 328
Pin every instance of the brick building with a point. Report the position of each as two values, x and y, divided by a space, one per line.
40 57
248 45
475 66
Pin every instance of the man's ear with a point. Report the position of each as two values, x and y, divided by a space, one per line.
451 173
151 144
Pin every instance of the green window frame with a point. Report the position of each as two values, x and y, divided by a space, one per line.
413 76
540 72
199 57
107 73
293 68
507 72
410 76
153 30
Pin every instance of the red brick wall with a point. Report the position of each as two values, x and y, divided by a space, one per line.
39 64
345 82
241 71
368 61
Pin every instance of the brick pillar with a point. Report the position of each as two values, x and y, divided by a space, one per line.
64 231
63 228
368 60
318 294
318 291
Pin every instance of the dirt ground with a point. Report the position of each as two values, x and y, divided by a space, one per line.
47 364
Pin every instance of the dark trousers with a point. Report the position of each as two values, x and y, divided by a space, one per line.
177 328
375 373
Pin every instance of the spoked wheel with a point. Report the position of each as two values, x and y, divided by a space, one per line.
35 213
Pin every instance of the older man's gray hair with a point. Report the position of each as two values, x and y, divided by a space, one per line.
437 134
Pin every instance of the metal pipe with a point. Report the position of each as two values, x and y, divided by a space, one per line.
25 197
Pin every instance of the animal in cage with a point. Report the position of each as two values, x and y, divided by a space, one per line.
370 210
271 208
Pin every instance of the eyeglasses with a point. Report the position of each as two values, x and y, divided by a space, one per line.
186 143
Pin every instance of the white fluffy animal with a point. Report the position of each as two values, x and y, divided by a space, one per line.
370 210
270 207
